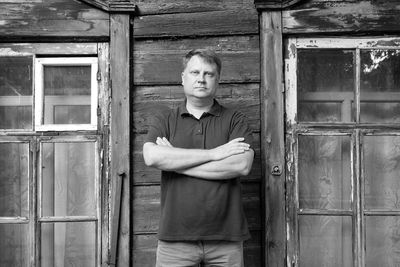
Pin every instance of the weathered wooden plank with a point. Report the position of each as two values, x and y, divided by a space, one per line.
144 111
144 250
146 207
53 18
48 49
113 5
152 68
120 125
173 92
272 137
104 103
51 10
349 16
154 7
274 4
160 61
227 22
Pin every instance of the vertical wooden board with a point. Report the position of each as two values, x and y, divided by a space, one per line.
120 125
272 136
227 22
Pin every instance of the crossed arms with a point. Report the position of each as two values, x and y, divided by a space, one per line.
227 161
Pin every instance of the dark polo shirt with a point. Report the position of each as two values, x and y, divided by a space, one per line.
193 208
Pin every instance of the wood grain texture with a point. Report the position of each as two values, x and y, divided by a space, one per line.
349 16
272 137
275 4
226 22
120 125
160 61
52 18
154 7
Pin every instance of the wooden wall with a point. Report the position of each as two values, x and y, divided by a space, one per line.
52 20
163 32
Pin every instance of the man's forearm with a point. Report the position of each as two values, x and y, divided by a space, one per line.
228 168
171 158
164 156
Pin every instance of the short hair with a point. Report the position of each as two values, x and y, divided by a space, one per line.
208 55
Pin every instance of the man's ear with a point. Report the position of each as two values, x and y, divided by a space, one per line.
182 77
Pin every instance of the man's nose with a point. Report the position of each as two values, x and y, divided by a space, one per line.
201 78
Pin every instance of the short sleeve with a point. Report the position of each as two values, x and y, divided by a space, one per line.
158 124
240 128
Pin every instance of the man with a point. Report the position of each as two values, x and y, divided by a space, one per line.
202 149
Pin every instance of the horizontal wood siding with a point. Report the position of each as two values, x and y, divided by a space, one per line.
349 16
164 31
52 18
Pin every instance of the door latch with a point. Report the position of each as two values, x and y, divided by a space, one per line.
276 170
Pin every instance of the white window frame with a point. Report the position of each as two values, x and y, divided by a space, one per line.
39 64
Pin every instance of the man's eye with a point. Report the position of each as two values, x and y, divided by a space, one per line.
194 72
210 74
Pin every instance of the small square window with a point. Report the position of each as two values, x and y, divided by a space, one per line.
65 94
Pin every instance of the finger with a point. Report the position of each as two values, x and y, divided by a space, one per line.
160 142
239 139
166 141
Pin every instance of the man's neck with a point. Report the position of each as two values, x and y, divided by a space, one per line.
198 108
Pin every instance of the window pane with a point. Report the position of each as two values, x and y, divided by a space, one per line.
324 172
67 91
380 86
382 241
326 78
14 179
71 114
16 92
325 241
14 245
68 244
381 171
69 179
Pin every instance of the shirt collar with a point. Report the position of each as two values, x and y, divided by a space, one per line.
215 109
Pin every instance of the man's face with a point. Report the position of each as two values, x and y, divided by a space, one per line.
200 79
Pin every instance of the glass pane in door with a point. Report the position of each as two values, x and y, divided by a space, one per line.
16 92
382 172
14 245
67 94
14 179
382 241
380 86
325 241
325 85
324 172
68 179
68 244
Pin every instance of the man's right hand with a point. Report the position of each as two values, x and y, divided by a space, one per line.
233 147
